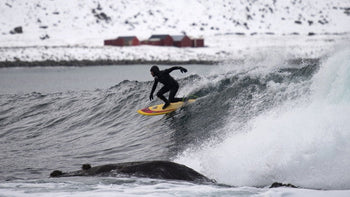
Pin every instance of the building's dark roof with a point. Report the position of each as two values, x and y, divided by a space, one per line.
162 36
127 38
178 38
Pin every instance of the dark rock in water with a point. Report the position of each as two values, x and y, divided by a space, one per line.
17 30
44 37
276 184
149 169
86 167
56 173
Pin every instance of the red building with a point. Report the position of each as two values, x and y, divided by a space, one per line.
152 42
182 41
198 42
157 40
160 40
123 41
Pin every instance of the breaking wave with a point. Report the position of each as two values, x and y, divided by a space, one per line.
252 124
296 131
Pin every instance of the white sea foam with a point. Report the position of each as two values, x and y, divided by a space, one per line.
303 142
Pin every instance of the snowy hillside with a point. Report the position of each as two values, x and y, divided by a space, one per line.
88 23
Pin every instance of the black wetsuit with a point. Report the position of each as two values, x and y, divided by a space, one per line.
170 84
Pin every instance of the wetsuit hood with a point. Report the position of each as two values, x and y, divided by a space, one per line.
155 70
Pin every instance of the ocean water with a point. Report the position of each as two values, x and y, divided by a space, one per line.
255 122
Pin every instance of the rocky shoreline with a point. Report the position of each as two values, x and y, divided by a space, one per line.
228 48
81 63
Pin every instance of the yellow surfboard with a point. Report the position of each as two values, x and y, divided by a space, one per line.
158 109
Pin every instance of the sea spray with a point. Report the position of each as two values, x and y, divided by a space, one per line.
303 141
332 82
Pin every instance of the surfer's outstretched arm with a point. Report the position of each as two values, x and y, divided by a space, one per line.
169 70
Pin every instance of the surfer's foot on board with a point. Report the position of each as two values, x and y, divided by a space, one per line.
166 105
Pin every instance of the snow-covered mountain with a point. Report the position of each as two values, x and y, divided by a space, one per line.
80 20
89 22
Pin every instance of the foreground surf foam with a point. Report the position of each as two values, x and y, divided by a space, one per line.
302 141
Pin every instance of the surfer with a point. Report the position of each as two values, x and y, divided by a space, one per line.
170 84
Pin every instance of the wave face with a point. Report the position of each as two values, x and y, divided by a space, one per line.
254 123
295 129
